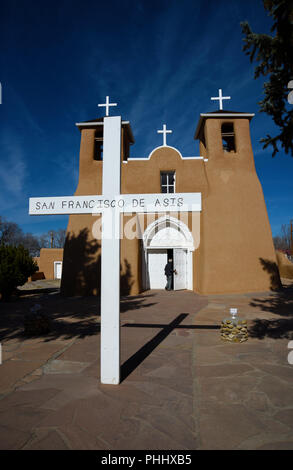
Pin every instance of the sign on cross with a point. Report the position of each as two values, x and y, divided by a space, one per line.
111 204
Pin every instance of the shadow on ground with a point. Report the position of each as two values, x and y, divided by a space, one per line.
73 317
278 303
136 359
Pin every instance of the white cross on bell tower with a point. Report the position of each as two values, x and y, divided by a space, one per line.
164 132
107 105
221 98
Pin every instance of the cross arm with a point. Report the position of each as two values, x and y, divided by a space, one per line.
128 203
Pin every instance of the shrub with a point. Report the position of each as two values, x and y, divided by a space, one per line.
16 265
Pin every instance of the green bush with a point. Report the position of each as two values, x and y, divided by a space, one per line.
16 265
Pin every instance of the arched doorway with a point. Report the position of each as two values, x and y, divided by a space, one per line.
164 238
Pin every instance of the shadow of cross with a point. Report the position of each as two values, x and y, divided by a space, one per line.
137 358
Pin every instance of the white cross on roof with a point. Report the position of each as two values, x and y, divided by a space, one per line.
221 98
107 105
164 132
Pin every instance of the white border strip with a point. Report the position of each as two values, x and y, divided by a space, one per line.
98 123
228 115
143 159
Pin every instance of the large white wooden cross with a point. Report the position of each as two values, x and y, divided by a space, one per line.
110 205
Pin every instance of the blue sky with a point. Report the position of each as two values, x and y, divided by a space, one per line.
161 61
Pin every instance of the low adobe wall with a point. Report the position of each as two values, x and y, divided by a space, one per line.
46 261
285 266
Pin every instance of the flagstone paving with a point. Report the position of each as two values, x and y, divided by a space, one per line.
182 387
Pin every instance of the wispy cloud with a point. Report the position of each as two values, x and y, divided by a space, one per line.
13 173
23 109
13 168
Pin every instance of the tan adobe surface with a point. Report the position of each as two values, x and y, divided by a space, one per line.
235 252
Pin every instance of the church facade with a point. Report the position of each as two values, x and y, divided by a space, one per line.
226 247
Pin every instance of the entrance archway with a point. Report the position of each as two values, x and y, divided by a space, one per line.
163 236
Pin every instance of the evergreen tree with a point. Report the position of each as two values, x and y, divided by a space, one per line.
274 55
16 265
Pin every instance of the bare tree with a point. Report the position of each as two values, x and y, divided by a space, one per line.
10 233
53 239
31 243
60 237
286 236
44 240
283 241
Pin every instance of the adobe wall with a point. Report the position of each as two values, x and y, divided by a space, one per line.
237 252
46 261
82 257
144 176
130 262
285 265
82 251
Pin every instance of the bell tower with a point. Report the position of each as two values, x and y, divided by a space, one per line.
82 251
236 249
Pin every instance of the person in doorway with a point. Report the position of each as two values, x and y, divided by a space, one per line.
169 273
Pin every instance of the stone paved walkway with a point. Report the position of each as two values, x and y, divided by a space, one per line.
182 387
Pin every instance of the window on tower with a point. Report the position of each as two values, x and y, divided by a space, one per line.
98 153
228 137
125 148
167 181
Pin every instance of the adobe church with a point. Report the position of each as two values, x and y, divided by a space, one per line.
225 247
